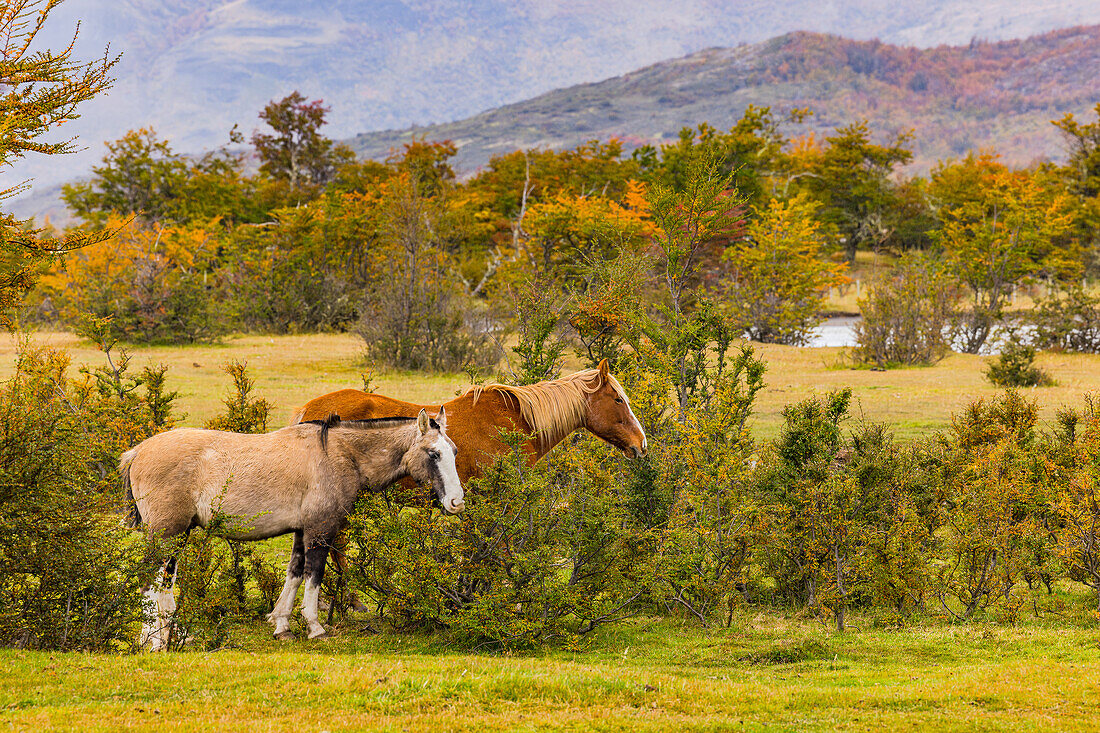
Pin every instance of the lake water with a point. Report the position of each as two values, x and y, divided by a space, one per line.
834 332
838 332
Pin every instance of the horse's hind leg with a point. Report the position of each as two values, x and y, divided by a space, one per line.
316 556
160 602
280 616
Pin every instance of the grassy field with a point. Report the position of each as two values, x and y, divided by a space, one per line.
289 370
766 671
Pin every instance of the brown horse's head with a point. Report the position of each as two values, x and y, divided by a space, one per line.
610 418
431 459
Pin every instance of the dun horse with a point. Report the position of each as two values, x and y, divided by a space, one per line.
551 410
302 479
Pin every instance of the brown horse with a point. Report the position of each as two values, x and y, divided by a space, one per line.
551 410
302 479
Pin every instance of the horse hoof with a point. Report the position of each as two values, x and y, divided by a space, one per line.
322 635
285 636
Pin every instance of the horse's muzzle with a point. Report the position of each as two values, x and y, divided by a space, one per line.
455 506
635 451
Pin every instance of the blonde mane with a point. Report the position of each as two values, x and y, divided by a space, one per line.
556 407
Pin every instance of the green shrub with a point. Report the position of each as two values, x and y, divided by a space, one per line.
1068 321
905 315
709 533
1015 367
243 413
278 289
995 509
214 580
70 575
432 328
541 343
539 555
846 518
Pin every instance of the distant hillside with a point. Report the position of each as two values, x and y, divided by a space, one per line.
957 98
194 69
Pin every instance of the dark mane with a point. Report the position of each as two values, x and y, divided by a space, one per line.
333 420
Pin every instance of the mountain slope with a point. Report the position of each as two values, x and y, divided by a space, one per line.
957 98
194 69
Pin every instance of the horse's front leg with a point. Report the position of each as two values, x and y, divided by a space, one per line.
317 547
280 616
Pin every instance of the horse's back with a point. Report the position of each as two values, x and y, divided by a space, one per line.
180 477
355 404
473 425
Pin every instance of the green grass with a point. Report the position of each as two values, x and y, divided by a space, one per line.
647 675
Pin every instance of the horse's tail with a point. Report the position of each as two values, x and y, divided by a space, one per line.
133 519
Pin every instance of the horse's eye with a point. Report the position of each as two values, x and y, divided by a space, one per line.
618 400
434 455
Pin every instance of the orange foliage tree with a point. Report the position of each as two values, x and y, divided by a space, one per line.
778 275
999 228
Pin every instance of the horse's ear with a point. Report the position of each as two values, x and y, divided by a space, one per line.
603 368
422 421
442 419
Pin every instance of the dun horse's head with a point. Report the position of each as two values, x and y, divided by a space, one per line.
610 417
431 459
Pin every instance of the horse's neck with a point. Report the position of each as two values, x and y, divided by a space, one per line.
378 452
542 446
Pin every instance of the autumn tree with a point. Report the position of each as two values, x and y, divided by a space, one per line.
140 174
561 233
606 303
1083 143
500 198
415 314
687 338
39 91
998 229
749 152
850 176
779 273
150 283
296 151
1082 174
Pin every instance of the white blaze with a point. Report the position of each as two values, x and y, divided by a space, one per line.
453 500
637 422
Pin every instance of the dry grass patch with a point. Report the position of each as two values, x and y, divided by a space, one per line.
289 370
